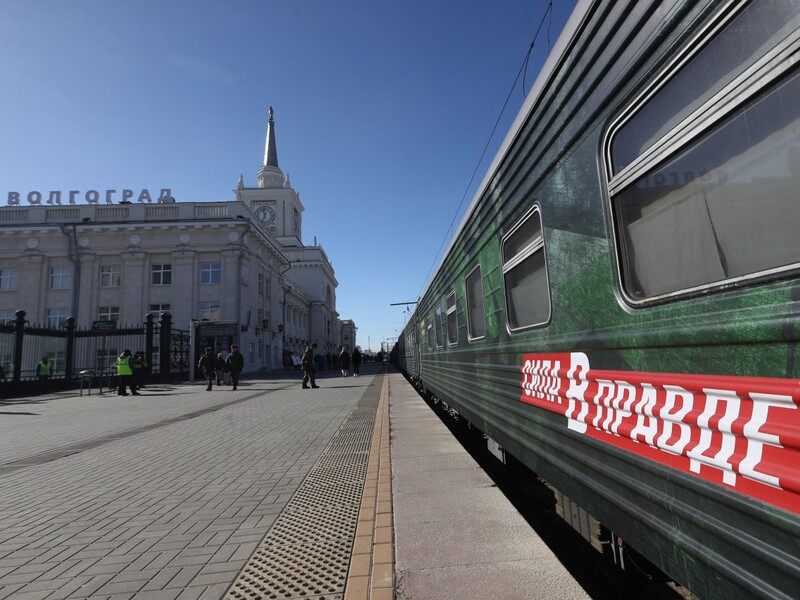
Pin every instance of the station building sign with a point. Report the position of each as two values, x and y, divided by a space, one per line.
54 197
216 329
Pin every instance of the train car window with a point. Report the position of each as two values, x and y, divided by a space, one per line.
437 322
679 232
476 313
741 39
525 274
452 319
430 336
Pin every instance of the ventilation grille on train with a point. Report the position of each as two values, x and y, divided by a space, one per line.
580 520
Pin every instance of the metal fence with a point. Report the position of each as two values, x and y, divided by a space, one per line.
72 352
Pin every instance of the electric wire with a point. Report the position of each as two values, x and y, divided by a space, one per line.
522 72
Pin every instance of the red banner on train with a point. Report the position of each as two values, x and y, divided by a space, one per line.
740 432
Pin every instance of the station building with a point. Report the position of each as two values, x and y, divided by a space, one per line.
232 272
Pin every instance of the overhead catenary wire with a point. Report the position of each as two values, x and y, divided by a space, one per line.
521 73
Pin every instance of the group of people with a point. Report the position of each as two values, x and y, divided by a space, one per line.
307 363
225 367
345 358
131 370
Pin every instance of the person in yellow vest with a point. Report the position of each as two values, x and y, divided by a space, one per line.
125 374
44 369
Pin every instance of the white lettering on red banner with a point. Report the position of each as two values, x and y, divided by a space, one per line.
741 432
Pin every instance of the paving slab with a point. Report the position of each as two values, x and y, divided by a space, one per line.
163 495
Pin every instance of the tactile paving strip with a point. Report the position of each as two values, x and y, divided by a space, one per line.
307 552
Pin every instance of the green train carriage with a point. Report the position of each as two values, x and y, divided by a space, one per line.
619 308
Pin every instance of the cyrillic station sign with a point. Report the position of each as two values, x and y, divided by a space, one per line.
54 197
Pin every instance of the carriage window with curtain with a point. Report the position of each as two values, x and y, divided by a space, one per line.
525 274
437 320
476 313
714 201
452 319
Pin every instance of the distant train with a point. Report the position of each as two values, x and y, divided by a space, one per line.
620 307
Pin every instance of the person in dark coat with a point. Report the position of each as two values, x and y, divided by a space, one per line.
356 360
344 361
307 363
222 374
234 364
207 364
139 369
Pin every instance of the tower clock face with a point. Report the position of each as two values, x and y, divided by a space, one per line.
266 214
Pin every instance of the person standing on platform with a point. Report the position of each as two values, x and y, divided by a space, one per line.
44 369
208 365
356 360
222 374
344 361
308 366
125 374
234 364
139 369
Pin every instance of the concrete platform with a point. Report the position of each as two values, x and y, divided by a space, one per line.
456 534
355 490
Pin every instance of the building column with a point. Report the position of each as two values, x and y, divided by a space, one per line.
89 284
31 277
232 299
184 280
133 305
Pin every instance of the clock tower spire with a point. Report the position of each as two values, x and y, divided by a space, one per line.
274 202
270 174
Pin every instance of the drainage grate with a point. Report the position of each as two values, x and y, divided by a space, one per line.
307 552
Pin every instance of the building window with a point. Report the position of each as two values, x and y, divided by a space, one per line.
704 166
7 362
8 280
160 274
60 278
160 308
7 316
251 352
208 311
108 313
452 319
525 274
107 360
260 284
210 273
476 312
110 276
58 358
56 317
267 287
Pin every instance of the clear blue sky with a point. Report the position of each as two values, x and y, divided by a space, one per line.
382 111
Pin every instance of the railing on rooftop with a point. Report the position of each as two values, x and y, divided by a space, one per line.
136 211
